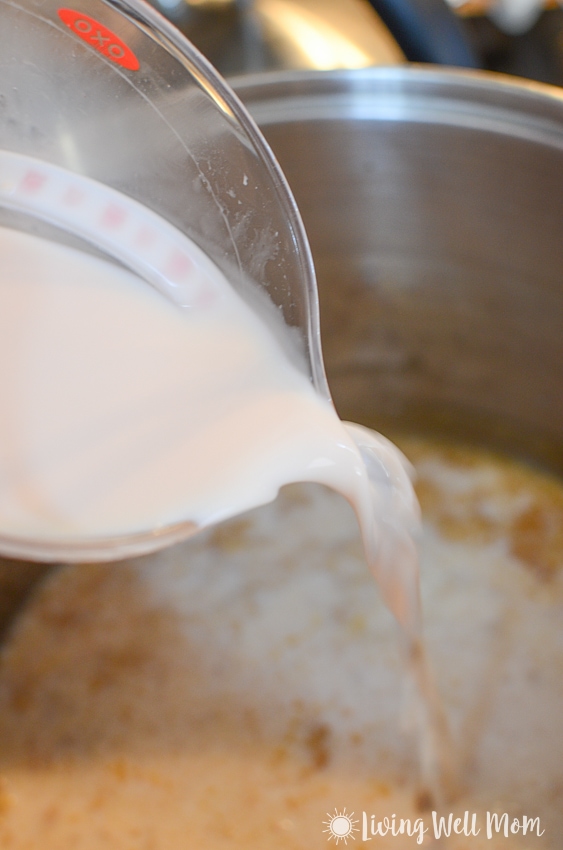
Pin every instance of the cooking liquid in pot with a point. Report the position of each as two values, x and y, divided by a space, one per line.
123 412
235 691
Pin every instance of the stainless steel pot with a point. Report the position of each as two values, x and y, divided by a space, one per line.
433 201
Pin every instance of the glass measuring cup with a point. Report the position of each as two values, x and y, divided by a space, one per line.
118 104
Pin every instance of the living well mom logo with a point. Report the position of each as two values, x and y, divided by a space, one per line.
343 826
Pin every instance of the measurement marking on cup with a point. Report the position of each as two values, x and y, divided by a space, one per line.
178 264
32 181
115 222
100 38
113 216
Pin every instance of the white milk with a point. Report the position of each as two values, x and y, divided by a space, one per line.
122 412
125 413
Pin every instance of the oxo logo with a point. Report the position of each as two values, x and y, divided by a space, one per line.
100 38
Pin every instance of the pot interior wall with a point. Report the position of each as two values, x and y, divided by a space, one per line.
433 202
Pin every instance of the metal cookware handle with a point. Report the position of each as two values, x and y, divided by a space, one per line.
427 31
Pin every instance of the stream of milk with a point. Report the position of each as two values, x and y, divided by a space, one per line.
125 413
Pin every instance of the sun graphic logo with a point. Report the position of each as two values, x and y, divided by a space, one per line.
340 826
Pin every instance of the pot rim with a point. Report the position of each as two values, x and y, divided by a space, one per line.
478 100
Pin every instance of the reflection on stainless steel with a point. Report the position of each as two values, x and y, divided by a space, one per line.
257 35
318 35
433 201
